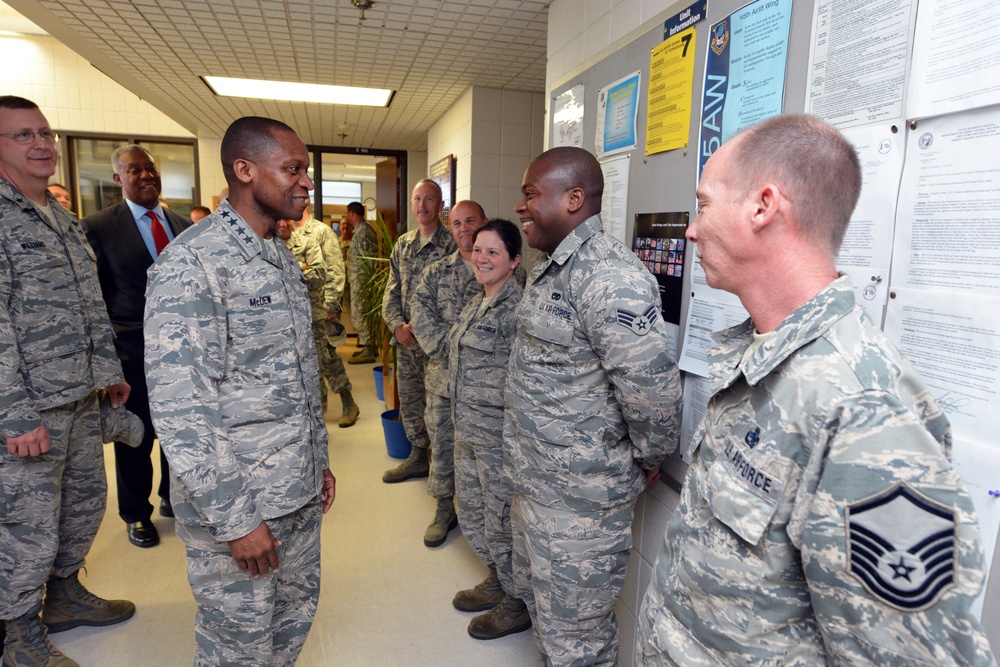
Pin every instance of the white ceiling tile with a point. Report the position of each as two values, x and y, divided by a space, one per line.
429 51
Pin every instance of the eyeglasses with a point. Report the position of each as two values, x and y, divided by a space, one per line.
27 136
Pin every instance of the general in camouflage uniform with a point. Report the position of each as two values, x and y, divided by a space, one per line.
56 351
821 521
331 366
413 253
592 407
364 243
479 351
447 285
234 390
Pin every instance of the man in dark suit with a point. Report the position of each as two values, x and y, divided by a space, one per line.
127 238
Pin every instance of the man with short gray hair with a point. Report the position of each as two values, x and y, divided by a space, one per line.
821 521
56 351
414 251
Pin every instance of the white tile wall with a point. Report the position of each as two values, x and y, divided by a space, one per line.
74 96
210 169
493 135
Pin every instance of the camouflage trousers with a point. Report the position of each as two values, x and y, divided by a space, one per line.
569 567
247 622
412 364
482 499
51 505
357 317
441 430
331 366
653 629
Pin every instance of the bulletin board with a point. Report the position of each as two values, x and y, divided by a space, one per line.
946 292
665 182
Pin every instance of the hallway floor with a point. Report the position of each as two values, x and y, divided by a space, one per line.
386 598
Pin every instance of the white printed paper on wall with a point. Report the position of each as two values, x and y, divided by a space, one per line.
866 252
953 341
614 203
858 60
948 218
956 57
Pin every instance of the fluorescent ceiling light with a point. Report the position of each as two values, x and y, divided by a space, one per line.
298 92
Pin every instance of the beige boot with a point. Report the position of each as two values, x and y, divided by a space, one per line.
486 595
445 520
27 644
507 618
416 465
68 605
351 410
365 355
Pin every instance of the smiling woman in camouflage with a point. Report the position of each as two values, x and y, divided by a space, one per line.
479 349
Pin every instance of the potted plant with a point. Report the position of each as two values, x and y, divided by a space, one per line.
373 277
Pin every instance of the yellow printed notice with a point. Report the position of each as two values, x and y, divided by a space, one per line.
671 82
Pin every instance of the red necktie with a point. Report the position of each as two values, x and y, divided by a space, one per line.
160 239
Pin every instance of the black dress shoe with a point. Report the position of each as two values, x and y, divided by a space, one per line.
166 509
143 534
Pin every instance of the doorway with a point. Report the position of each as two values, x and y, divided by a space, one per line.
370 176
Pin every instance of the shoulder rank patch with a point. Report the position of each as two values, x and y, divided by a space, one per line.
639 324
901 547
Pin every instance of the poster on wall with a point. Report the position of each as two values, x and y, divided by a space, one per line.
567 118
617 111
858 60
744 72
442 172
658 241
671 86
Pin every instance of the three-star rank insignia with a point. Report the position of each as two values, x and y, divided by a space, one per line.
901 547
639 324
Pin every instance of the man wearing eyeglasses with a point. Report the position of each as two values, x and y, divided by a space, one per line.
127 238
56 351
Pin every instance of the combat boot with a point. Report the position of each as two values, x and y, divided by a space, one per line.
416 465
508 617
27 644
365 355
486 595
68 605
445 520
351 410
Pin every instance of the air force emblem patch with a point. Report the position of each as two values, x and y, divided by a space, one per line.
639 324
901 547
